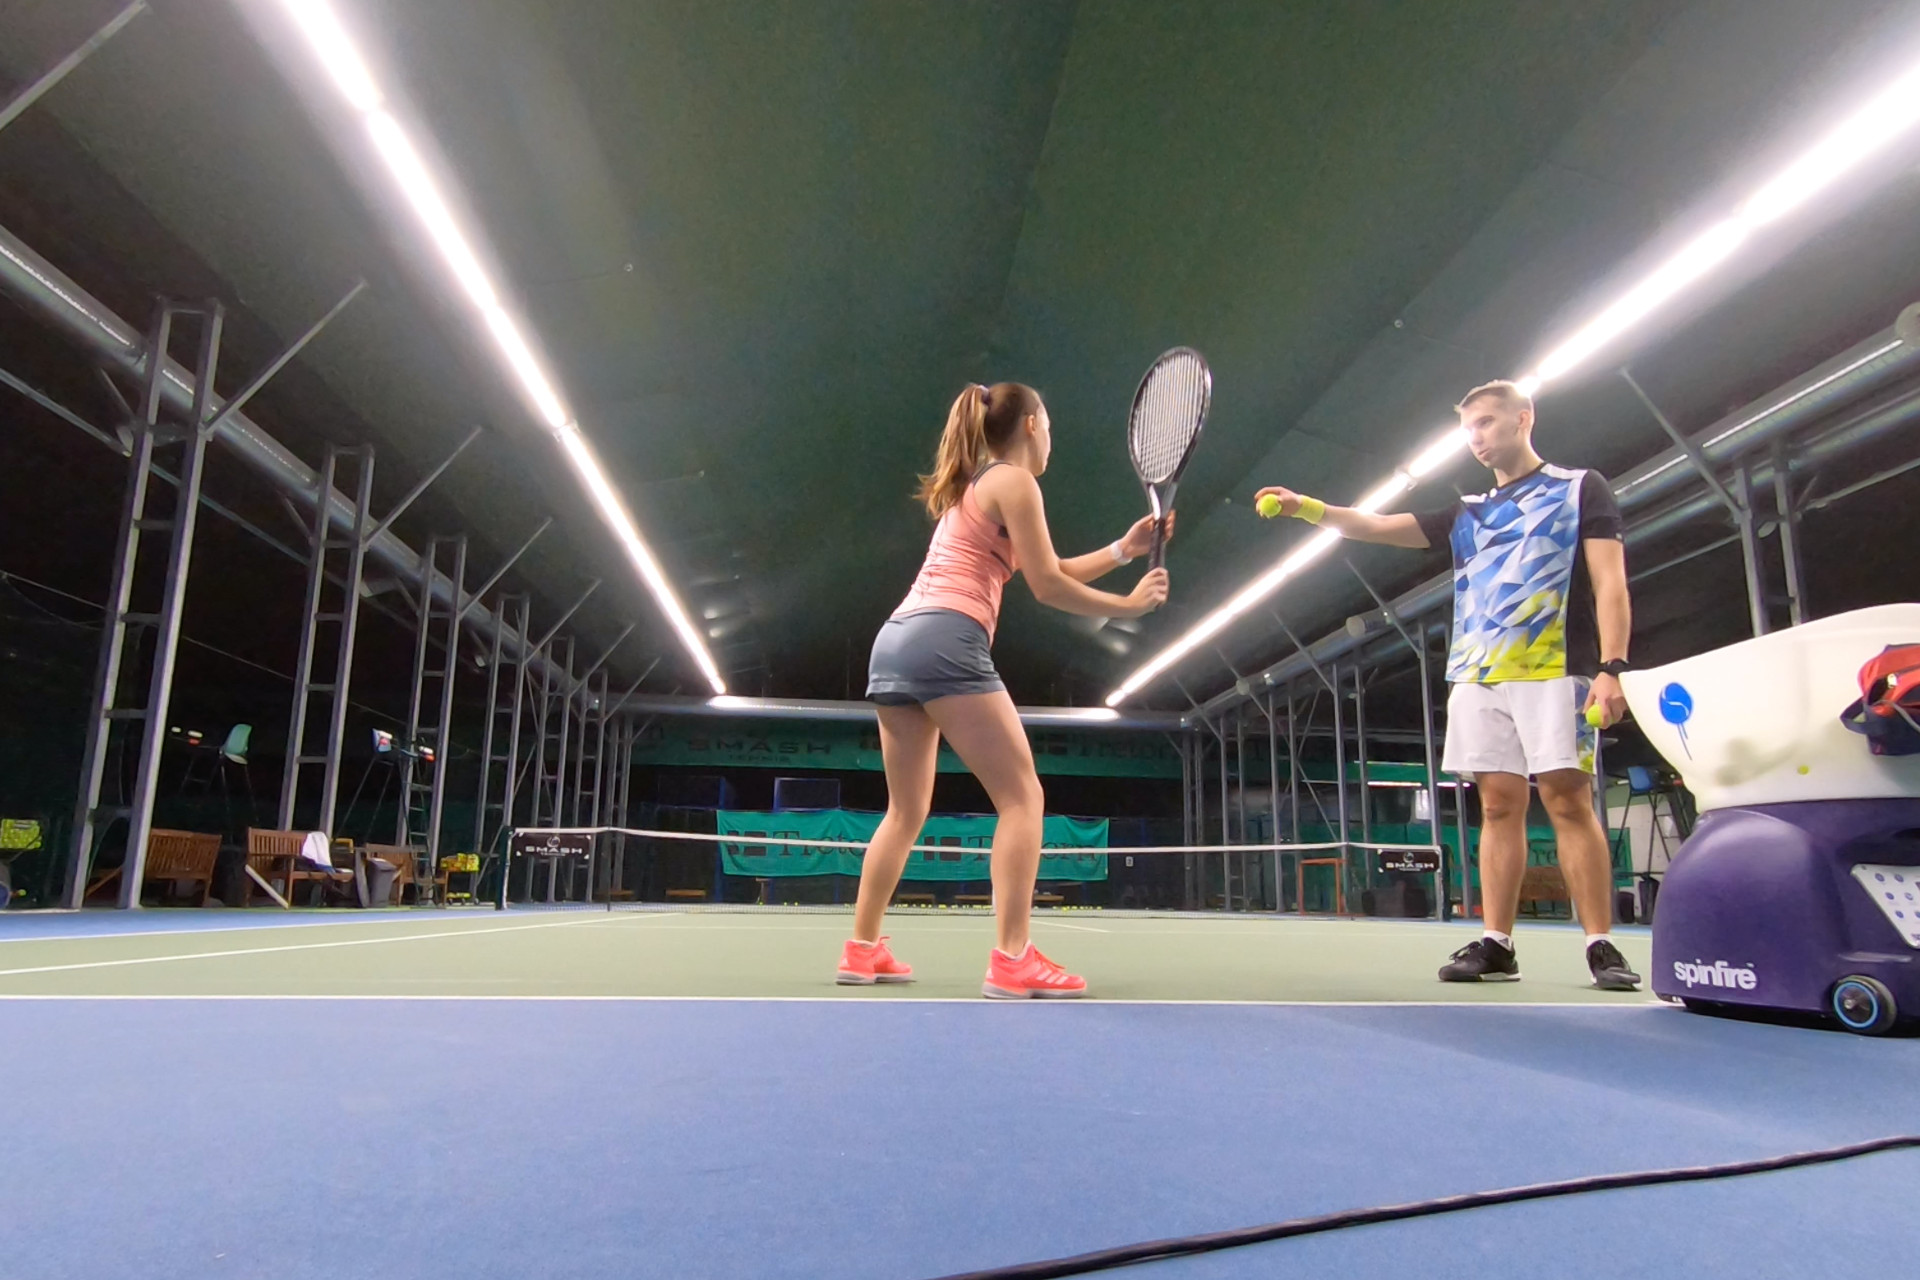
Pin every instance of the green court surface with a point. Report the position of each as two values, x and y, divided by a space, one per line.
776 955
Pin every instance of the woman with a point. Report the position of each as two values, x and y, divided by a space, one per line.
932 673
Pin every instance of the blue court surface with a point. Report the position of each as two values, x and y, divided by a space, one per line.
298 1136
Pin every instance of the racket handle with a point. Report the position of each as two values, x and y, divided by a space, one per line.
1159 544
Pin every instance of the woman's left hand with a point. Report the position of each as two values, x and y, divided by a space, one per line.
1139 539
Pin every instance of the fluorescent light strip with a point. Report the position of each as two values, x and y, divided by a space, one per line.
580 454
1871 129
337 54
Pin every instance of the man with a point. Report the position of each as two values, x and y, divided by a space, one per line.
1540 625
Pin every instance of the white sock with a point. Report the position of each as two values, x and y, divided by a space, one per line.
856 942
1014 955
1505 940
1597 937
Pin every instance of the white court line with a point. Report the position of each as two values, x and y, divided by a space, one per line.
583 918
1061 924
294 922
969 1001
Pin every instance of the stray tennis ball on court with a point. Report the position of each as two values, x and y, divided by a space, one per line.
1596 716
1268 507
1804 770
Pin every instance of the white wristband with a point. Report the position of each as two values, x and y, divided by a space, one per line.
1119 556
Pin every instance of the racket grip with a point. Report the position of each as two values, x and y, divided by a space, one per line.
1159 545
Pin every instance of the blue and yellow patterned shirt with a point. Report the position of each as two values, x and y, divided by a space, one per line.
1522 603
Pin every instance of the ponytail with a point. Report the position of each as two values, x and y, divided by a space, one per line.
982 419
962 446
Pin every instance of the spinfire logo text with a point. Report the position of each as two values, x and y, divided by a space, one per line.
1717 974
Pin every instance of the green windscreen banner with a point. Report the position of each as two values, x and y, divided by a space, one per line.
849 745
965 840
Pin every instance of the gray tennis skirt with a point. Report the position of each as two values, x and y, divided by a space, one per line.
928 654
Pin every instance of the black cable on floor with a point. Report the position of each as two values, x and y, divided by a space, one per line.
1182 1246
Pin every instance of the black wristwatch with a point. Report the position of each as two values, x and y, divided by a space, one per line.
1615 667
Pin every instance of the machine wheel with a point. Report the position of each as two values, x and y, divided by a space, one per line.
1863 1005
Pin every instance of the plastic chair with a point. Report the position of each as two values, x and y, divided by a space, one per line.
231 751
1662 801
235 747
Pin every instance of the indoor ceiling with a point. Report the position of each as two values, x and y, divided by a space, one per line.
764 244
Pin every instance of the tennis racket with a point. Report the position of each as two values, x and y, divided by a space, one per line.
1163 427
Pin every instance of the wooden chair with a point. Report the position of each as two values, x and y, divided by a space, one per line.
1339 865
405 857
173 856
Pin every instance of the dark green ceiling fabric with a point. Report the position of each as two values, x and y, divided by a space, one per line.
764 243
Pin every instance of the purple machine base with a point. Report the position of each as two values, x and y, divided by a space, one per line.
1760 907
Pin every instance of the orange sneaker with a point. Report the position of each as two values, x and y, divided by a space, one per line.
1029 975
864 963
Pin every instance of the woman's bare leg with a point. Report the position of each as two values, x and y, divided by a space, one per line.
909 748
986 731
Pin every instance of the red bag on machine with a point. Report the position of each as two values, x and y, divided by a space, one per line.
1888 709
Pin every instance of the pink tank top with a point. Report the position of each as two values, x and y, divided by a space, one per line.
967 564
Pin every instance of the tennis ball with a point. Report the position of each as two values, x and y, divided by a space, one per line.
1268 507
1596 715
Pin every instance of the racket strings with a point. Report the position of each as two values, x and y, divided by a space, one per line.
1167 415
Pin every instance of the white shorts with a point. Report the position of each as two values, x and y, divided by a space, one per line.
1528 727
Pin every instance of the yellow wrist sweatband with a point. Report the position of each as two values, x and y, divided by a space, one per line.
1312 510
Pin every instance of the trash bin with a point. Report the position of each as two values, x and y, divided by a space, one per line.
380 877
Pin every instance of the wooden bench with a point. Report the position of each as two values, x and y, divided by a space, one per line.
973 899
1543 884
1047 899
913 900
186 856
696 895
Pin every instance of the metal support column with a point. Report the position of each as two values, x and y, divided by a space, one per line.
1186 790
1193 894
1750 549
1432 786
121 716
1226 820
1273 799
1339 777
1240 775
1360 747
553 726
1431 782
1469 856
424 802
589 792
506 687
617 811
330 633
1789 514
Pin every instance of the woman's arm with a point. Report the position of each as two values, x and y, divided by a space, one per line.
1135 543
1011 496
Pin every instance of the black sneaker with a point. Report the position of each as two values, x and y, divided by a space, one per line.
1610 971
1482 960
